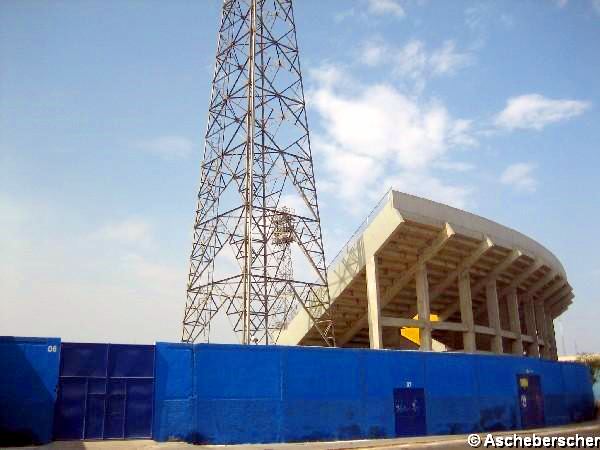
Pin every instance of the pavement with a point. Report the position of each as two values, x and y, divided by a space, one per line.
587 429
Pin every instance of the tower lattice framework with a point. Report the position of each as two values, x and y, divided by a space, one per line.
257 156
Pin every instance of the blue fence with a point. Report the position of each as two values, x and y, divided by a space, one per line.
105 391
235 394
28 375
597 391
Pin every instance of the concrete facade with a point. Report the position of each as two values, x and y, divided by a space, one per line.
491 288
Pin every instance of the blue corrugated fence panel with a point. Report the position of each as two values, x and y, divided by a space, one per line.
69 416
386 370
28 379
553 388
451 393
94 416
308 373
237 421
83 360
237 371
578 391
114 419
82 366
319 405
105 392
131 361
174 399
138 413
225 394
236 383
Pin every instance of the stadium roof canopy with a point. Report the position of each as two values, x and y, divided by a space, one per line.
465 282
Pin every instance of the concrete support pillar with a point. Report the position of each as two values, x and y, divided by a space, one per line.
494 315
515 321
374 303
534 349
466 311
540 320
423 307
504 318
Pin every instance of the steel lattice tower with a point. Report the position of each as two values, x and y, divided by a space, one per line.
257 158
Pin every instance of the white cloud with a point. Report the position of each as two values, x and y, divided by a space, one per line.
350 174
132 231
561 3
507 20
455 166
520 176
447 60
533 111
372 133
380 121
414 61
596 6
328 76
481 19
424 184
167 147
475 16
343 15
383 7
372 53
365 10
411 60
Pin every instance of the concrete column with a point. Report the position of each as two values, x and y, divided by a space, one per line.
423 307
515 321
494 315
504 318
540 320
466 311
534 349
374 303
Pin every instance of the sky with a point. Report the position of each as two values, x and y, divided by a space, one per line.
493 107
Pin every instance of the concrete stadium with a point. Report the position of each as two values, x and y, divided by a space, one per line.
464 282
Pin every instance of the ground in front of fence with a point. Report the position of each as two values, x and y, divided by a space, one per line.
587 429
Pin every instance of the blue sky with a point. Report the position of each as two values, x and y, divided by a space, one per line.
489 106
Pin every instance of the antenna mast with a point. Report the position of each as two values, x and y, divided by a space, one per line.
253 256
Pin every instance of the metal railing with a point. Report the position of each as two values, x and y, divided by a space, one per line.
362 227
354 238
